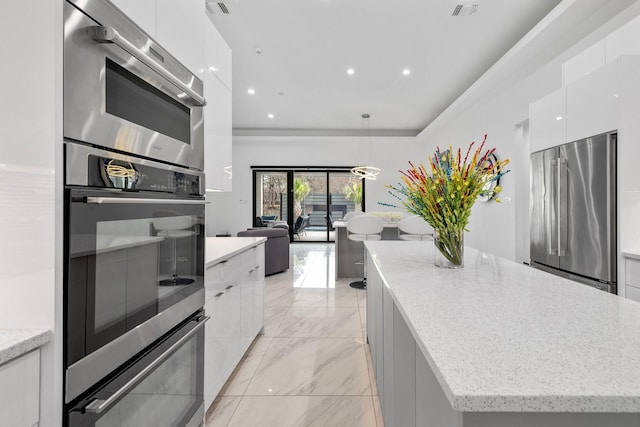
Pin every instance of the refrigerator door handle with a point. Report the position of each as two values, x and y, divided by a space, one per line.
562 205
552 222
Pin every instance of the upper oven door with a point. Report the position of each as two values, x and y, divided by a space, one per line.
124 92
134 269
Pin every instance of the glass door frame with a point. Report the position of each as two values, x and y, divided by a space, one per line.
290 171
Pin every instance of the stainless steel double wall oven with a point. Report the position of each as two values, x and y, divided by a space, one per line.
134 226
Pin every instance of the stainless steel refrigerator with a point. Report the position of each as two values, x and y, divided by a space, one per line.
573 211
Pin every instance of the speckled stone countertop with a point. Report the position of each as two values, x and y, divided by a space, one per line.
16 342
502 336
218 249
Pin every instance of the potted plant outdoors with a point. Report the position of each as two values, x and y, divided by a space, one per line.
301 189
353 193
444 197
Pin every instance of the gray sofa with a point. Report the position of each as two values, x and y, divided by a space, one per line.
276 248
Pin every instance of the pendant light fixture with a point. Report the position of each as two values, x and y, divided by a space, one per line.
367 172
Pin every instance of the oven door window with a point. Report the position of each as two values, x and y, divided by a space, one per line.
168 394
131 98
128 262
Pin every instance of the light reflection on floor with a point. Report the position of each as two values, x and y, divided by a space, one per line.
311 366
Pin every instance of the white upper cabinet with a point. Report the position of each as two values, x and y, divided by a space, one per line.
217 54
224 62
592 103
549 121
142 12
217 112
217 135
624 41
584 63
175 24
180 31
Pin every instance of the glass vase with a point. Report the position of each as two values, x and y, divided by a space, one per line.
448 248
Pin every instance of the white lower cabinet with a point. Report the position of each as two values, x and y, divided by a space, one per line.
409 391
20 391
632 278
235 303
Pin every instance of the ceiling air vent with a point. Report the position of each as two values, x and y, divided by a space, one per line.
223 8
217 7
464 10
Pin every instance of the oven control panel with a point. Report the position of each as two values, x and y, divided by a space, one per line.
107 172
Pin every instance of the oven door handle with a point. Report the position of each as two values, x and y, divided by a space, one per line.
110 35
99 405
130 200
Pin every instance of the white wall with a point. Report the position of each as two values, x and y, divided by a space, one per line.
232 212
30 174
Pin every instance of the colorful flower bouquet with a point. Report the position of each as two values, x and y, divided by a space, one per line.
445 197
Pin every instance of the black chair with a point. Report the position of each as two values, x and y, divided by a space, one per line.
329 222
299 226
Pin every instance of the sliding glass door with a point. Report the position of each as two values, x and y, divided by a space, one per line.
308 200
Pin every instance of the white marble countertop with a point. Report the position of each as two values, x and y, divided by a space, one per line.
389 224
16 342
502 336
635 254
218 249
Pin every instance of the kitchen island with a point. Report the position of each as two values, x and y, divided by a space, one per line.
349 253
497 344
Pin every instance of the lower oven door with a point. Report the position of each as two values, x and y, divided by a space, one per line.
163 387
134 271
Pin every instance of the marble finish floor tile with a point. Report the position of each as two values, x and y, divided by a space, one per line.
243 373
339 296
221 411
312 366
278 296
284 279
378 411
321 322
273 316
304 411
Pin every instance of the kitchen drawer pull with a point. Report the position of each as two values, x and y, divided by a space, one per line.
128 200
99 405
218 295
110 35
229 287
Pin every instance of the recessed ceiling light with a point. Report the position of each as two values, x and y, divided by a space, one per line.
271 116
351 71
406 72
251 91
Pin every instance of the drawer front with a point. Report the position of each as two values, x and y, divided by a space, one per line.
250 259
19 390
233 269
632 272
633 293
213 281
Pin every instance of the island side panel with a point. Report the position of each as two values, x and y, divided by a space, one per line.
404 373
348 253
432 406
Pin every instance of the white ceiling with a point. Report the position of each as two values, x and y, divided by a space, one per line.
307 46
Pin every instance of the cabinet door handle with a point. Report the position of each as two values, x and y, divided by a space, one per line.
110 35
218 295
98 406
229 287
